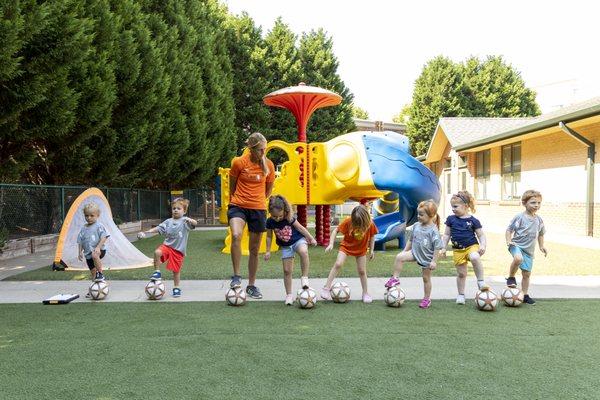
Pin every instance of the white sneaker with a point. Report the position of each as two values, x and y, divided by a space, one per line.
460 299
304 282
289 299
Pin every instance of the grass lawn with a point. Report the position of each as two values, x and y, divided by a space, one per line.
265 350
205 261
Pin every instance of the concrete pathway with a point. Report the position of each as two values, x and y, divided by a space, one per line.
214 290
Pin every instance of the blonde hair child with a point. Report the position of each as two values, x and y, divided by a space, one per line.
521 235
92 241
359 240
468 241
292 238
172 250
423 247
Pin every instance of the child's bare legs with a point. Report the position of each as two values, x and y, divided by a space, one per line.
515 264
176 279
288 268
339 262
475 259
525 281
304 260
361 268
399 261
157 257
426 283
97 262
254 246
461 278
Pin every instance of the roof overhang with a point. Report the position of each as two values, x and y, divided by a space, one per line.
438 145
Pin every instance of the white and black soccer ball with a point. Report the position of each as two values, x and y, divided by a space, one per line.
340 292
394 296
236 296
155 290
307 298
486 300
512 297
99 290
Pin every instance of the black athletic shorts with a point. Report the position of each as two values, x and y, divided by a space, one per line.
256 219
90 261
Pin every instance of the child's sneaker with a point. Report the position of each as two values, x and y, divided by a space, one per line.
528 300
483 286
326 293
511 282
253 292
99 277
304 282
367 298
176 292
460 299
289 299
155 276
88 295
393 281
236 281
425 303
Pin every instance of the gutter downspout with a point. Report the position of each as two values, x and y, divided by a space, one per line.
589 203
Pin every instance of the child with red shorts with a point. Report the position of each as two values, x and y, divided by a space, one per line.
172 250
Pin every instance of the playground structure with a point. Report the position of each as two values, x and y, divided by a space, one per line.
358 165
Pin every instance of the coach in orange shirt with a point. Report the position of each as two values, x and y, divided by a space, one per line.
250 183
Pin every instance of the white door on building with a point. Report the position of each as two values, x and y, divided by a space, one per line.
447 210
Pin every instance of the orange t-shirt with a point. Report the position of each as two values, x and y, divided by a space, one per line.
251 182
355 243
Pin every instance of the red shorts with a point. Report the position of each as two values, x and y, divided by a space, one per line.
174 258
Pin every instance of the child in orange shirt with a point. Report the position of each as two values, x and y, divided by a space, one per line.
359 240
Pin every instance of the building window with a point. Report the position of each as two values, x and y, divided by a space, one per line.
434 167
511 171
447 163
463 180
462 161
482 174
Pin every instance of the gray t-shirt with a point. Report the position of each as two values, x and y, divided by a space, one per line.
425 241
176 233
525 230
89 237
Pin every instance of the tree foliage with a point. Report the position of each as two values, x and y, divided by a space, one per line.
475 88
147 93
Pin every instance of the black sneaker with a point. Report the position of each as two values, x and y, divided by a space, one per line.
511 282
99 277
528 300
253 292
236 281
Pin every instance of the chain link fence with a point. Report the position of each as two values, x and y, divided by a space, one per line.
32 210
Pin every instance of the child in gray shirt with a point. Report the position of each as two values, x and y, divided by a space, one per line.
521 236
172 250
423 247
92 241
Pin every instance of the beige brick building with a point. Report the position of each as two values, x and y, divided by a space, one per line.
497 159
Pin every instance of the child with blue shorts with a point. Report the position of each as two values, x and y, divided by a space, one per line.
521 235
292 237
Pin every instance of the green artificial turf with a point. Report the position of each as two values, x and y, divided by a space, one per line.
265 350
204 260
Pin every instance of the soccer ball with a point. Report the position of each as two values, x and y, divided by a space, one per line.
340 292
394 296
155 290
307 298
486 301
99 290
236 296
512 297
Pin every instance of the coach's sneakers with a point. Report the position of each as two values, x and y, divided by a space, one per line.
460 299
367 299
155 276
236 281
304 282
483 286
425 303
289 299
528 300
176 292
511 282
326 293
393 281
253 292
